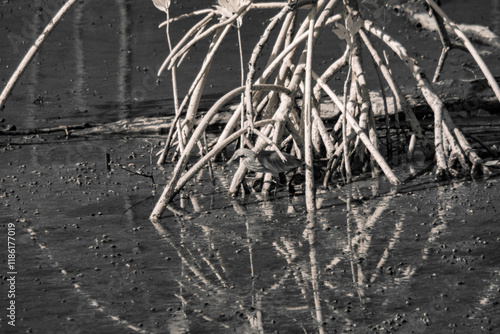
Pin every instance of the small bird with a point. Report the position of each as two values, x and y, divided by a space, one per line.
266 161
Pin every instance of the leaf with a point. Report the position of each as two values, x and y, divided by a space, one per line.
354 26
162 5
223 12
341 32
349 22
357 25
233 5
228 8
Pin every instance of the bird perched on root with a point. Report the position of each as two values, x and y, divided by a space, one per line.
267 162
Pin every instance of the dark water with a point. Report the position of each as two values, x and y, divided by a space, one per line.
423 258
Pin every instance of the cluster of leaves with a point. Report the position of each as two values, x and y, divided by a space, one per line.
228 8
351 29
162 5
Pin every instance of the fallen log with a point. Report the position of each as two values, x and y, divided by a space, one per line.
12 130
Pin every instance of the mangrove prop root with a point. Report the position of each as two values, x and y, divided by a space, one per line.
289 65
169 190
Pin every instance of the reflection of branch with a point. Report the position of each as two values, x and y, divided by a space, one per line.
94 303
291 262
314 271
204 285
392 242
370 222
211 266
444 207
165 235
489 297
199 312
349 236
255 317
